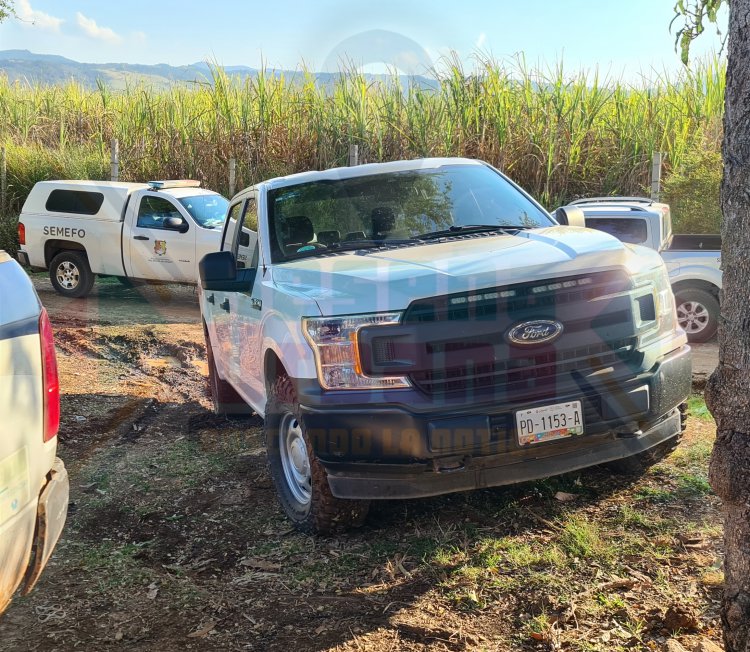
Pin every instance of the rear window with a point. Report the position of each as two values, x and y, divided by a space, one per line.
632 231
79 202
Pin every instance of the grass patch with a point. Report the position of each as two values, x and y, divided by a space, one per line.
697 408
114 566
693 485
581 538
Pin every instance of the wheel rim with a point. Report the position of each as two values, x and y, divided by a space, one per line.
68 275
295 460
693 317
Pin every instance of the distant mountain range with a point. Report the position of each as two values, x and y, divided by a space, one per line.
51 70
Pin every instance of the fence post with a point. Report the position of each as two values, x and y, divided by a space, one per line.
3 181
115 161
353 155
232 175
656 176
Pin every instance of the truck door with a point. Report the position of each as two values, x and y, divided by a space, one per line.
247 311
160 241
216 305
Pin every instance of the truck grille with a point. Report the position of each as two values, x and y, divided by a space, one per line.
518 373
598 333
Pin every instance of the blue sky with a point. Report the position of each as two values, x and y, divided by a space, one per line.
624 39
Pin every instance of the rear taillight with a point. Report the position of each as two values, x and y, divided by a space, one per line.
51 382
21 233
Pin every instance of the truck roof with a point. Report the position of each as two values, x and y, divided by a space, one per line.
620 204
367 169
115 194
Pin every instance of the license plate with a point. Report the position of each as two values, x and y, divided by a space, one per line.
550 422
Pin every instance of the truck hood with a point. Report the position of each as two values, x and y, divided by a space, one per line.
377 281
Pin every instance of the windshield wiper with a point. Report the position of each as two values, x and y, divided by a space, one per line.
457 229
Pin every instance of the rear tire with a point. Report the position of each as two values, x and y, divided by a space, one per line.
224 397
300 479
71 274
697 313
637 465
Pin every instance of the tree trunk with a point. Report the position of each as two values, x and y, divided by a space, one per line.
728 390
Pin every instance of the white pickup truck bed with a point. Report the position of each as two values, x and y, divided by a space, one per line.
693 261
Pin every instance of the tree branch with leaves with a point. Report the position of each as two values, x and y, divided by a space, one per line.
694 16
6 9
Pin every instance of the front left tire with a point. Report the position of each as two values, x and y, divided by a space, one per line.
300 479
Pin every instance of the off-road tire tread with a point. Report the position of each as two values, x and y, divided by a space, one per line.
327 513
87 278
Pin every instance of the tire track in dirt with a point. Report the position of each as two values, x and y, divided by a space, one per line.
155 374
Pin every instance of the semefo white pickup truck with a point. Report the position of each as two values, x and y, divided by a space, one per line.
33 481
414 328
693 261
155 232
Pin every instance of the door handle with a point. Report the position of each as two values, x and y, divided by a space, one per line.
211 299
225 305
140 237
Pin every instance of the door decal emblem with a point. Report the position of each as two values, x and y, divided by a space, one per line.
160 247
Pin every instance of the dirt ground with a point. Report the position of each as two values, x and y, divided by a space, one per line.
174 540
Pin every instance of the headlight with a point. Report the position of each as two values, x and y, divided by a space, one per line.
334 342
656 313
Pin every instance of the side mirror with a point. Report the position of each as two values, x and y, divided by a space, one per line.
176 224
570 216
218 271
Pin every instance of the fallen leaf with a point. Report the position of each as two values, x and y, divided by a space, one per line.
260 564
204 631
564 497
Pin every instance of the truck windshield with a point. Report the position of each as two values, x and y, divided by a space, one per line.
208 211
395 209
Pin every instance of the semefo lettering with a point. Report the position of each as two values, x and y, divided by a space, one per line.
64 231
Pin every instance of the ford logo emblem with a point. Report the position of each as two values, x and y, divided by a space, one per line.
538 331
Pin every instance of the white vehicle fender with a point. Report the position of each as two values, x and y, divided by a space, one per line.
687 273
287 342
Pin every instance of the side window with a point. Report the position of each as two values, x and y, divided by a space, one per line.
232 217
78 202
632 231
154 210
246 245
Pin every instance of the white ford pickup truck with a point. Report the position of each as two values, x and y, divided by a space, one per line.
693 261
33 481
154 232
414 328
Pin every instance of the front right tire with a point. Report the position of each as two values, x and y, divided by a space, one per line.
300 479
636 465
